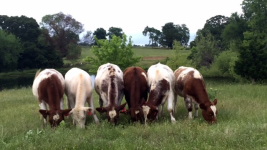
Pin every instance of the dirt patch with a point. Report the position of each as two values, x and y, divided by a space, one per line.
154 58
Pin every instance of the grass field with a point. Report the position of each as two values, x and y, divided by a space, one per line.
242 124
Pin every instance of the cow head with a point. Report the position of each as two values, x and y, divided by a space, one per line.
150 112
112 113
55 116
136 113
79 116
209 111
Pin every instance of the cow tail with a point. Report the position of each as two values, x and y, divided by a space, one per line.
37 73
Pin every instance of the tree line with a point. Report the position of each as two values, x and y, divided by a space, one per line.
235 45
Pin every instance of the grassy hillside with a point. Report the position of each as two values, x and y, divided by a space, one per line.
242 124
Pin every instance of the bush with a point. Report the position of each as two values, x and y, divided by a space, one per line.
117 51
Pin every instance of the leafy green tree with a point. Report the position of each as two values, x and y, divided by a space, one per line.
27 29
100 33
114 31
117 51
253 51
176 59
206 49
154 35
171 32
64 29
10 49
233 31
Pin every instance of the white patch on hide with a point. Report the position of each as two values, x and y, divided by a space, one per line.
56 117
137 111
144 75
213 108
112 114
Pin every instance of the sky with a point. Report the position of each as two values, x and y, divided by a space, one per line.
132 16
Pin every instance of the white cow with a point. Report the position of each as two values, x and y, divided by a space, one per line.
109 86
161 83
79 91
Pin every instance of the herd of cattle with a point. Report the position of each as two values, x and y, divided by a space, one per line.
144 93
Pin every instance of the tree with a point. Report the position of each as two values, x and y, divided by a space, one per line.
10 49
154 35
117 51
87 39
251 63
64 29
171 32
100 33
27 29
206 49
233 31
115 31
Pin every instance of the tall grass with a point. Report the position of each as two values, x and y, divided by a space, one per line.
242 124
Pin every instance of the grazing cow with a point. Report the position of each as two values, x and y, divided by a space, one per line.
79 90
48 87
190 85
161 83
109 87
136 91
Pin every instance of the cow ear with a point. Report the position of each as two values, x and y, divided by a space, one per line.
44 113
215 102
202 106
121 107
65 112
101 109
143 101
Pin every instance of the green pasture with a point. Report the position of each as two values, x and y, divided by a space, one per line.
242 124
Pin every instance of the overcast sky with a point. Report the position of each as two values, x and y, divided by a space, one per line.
131 16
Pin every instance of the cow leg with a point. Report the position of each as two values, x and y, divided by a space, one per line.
188 104
196 109
43 106
170 105
61 103
90 102
100 102
174 103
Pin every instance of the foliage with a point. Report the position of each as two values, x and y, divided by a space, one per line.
206 49
233 31
116 51
27 29
114 31
87 39
171 32
253 55
64 29
154 35
177 59
253 51
10 49
74 51
100 33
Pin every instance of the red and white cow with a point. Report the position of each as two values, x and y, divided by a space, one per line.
109 86
79 90
189 84
161 83
48 87
136 91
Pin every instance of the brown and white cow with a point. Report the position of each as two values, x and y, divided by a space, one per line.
161 83
190 85
79 90
109 86
136 91
48 87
